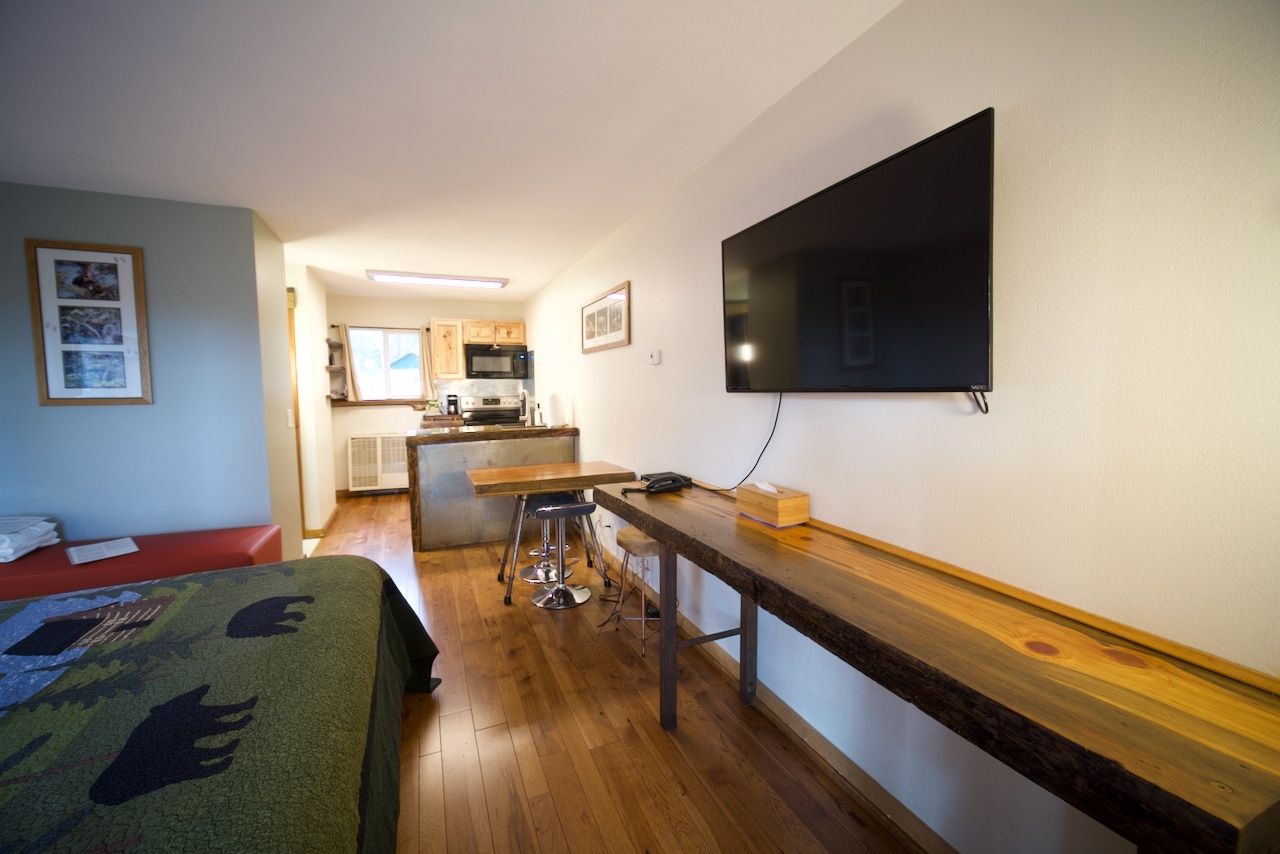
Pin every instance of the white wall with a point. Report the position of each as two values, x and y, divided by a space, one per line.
315 425
373 311
1128 465
277 389
196 457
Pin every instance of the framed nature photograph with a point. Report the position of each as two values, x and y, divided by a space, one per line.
606 320
89 322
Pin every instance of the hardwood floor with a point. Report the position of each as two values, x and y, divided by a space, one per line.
544 735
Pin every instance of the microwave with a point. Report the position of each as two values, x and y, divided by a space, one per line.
497 361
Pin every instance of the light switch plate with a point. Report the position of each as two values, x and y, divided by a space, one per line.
654 357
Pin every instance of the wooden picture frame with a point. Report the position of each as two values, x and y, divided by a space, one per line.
89 323
610 312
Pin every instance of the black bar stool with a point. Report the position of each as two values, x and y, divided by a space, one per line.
525 505
544 571
560 596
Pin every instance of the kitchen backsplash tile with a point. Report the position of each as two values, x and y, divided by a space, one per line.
477 388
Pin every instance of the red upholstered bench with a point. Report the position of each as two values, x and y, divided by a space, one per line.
48 570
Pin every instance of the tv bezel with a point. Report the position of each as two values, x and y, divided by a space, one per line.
989 112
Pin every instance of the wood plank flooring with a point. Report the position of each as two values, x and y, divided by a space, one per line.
544 734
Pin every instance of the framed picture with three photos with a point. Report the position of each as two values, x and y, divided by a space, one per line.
606 320
89 322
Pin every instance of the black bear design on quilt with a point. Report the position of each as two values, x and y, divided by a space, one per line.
162 749
267 617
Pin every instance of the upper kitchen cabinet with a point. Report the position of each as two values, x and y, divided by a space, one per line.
446 349
509 331
493 331
479 332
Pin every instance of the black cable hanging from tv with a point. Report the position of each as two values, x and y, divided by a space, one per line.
777 412
980 401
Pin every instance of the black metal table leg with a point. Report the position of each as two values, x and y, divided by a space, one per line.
668 642
506 552
747 652
515 546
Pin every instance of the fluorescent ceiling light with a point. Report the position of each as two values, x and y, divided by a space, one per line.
445 281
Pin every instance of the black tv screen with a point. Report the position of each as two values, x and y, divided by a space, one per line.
881 282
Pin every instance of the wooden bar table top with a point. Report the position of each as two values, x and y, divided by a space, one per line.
547 477
1176 752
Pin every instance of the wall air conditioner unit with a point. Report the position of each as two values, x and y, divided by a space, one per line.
377 461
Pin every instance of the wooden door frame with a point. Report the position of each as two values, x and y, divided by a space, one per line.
297 416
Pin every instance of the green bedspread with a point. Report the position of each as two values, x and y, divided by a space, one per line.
245 710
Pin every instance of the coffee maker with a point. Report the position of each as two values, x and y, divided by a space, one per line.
451 405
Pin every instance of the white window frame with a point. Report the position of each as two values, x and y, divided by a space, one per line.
386 362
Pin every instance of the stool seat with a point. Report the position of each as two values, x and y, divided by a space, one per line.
548 499
565 511
634 541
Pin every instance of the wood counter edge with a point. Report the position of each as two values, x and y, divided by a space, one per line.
1171 648
1207 660
414 440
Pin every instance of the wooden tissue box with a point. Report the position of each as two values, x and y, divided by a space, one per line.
780 509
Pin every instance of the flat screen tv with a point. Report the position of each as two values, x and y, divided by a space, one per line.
881 282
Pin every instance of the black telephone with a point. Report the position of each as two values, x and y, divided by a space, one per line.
663 481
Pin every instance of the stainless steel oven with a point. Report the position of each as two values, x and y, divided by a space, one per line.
479 411
497 361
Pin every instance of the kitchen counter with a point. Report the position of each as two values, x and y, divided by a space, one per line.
486 433
443 508
431 421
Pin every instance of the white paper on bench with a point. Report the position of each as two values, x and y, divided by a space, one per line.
99 551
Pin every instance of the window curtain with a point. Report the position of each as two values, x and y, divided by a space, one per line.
353 382
424 364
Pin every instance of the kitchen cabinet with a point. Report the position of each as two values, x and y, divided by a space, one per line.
509 331
447 362
493 331
479 332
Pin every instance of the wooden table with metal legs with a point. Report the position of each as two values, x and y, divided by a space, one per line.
523 481
1172 748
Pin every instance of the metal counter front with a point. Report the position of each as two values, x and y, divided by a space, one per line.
444 509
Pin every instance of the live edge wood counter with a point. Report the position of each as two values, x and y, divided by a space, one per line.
1169 754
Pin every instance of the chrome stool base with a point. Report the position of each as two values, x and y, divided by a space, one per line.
558 597
538 573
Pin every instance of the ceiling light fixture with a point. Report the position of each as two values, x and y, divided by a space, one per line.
445 281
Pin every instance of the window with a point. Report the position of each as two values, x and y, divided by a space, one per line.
387 362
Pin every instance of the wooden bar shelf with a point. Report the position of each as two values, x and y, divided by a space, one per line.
1167 752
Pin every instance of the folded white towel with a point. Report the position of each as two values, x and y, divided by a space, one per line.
9 524
28 534
9 554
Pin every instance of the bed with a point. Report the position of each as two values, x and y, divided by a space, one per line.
251 709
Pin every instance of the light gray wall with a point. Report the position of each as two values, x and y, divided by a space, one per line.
195 458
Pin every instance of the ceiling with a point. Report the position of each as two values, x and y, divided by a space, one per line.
460 137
